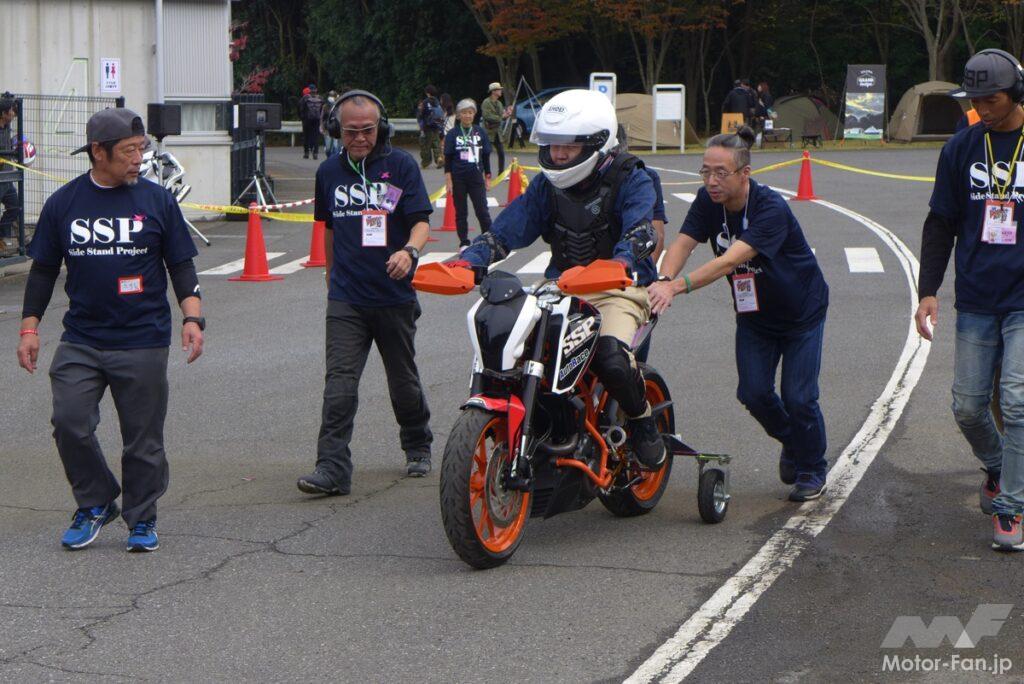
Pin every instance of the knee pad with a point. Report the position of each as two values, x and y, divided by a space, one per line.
616 368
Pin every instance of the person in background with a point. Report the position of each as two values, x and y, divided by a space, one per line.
8 191
430 117
467 170
448 105
310 110
493 112
331 144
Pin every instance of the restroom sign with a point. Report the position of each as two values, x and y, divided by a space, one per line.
110 75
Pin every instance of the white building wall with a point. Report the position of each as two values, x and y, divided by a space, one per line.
55 47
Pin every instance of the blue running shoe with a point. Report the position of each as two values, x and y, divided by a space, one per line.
86 525
143 536
807 488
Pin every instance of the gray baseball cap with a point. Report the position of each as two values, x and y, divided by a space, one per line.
988 73
112 124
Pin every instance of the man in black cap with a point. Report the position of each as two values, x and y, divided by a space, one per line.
976 205
119 237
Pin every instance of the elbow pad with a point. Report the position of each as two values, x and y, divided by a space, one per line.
497 249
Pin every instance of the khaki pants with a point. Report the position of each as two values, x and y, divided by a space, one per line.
622 311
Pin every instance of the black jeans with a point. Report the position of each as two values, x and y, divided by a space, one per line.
11 202
496 143
137 378
473 186
310 136
350 332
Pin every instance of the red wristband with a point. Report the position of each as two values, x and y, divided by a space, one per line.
29 331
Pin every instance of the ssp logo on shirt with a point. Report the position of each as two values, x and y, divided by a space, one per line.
105 236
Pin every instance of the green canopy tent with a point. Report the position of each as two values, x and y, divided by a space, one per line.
800 113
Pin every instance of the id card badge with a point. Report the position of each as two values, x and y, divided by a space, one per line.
1000 226
391 197
468 155
129 285
745 292
375 228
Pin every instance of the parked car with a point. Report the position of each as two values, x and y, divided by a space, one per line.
527 109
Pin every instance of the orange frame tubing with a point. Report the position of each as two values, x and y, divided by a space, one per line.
603 477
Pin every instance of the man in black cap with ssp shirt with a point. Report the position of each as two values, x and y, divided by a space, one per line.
120 237
976 206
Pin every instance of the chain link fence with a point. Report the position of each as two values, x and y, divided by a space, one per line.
55 125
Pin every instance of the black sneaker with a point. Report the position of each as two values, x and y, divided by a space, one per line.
807 488
320 483
648 447
417 464
787 469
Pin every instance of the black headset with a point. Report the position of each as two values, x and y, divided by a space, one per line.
1016 91
333 126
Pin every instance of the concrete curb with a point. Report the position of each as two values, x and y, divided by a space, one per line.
16 268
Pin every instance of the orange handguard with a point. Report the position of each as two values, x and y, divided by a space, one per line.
597 276
445 280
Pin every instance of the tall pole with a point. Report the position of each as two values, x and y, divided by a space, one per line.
159 94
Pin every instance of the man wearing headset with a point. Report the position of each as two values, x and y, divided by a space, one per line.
976 206
376 208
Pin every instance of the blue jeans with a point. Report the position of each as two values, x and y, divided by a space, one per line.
331 146
794 419
983 341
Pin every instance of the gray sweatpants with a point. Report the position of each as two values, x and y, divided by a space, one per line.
138 385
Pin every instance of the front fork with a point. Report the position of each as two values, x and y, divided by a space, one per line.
519 472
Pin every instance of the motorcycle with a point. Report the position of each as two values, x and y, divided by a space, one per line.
164 169
539 434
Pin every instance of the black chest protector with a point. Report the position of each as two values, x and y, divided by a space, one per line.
585 226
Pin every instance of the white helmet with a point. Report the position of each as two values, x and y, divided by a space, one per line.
575 117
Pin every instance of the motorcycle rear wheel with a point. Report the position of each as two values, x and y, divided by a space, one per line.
641 498
483 522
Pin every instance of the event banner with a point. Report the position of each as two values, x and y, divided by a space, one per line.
865 102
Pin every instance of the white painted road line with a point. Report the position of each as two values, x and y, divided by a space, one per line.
290 267
711 624
435 257
537 264
236 265
864 260
501 261
685 196
491 202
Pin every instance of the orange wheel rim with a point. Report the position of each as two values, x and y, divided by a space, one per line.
650 481
498 515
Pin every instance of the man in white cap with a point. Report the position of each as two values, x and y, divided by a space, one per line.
120 238
494 112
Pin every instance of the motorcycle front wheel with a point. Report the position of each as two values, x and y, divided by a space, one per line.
483 521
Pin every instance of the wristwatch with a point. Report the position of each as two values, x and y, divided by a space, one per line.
663 279
198 320
413 252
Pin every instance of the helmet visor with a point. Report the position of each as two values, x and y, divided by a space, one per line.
538 137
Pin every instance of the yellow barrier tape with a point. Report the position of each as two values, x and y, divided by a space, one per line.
854 169
780 165
38 173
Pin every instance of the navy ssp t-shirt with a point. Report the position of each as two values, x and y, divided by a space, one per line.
345 190
116 243
469 151
989 277
791 290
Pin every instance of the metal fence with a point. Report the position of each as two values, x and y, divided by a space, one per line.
55 124
12 192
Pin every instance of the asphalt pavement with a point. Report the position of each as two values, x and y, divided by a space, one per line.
256 581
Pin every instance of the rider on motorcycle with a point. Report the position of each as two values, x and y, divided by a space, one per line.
592 202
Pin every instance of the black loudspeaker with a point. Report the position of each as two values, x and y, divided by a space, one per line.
163 119
259 116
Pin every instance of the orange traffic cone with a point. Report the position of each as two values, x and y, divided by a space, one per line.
515 182
449 216
256 269
317 255
805 190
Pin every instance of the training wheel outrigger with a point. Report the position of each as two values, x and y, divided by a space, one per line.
712 479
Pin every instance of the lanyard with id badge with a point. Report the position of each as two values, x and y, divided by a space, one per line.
375 221
999 226
469 154
744 289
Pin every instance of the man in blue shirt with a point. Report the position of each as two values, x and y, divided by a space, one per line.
780 298
375 206
976 205
590 203
119 236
